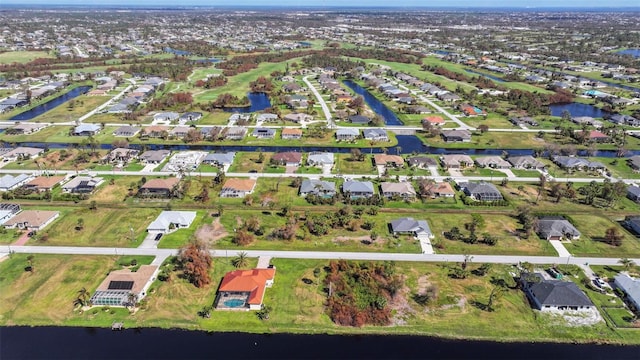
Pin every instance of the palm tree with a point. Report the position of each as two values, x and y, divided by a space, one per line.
82 298
132 299
627 263
240 260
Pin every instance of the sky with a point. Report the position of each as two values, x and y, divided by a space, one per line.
351 3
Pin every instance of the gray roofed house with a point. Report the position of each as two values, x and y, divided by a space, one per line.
325 189
481 191
126 131
525 162
631 287
375 134
169 221
179 131
21 152
422 162
456 135
359 119
266 117
358 189
554 295
154 156
220 159
633 222
347 134
408 225
320 159
556 228
634 163
82 184
403 190
494 162
9 182
235 133
25 128
190 116
633 193
166 116
456 161
570 162
264 133
86 129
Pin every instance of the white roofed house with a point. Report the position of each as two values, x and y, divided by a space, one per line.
375 134
170 221
403 190
86 130
494 162
320 159
82 184
346 134
9 182
358 189
22 153
166 116
220 159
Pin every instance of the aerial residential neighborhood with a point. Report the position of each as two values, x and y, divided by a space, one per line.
453 173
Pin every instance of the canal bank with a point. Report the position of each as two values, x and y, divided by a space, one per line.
51 104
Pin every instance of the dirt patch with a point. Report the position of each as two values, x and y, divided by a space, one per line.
361 239
400 306
423 283
211 233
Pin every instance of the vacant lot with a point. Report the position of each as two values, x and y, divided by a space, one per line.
23 56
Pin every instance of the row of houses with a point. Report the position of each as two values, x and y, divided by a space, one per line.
461 161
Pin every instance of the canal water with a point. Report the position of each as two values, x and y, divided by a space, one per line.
49 105
258 101
577 109
490 77
633 52
376 105
92 343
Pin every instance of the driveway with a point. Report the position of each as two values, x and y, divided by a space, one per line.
149 242
22 239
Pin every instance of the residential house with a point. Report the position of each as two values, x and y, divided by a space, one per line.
9 182
121 155
291 134
244 289
155 131
25 128
320 159
266 118
633 222
388 160
291 87
422 162
494 162
634 163
32 220
481 191
633 193
82 185
439 189
190 117
456 136
124 287
556 228
179 132
170 221
358 189
159 188
235 133
433 120
22 153
7 211
154 156
220 159
298 117
126 131
43 183
574 163
375 134
631 288
359 119
403 190
456 161
347 134
598 137
288 158
264 133
185 161
321 188
238 188
166 116
408 225
525 162
86 130
556 295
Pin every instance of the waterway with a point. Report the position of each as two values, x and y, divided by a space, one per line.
376 105
177 52
258 101
490 77
577 109
93 343
49 105
633 52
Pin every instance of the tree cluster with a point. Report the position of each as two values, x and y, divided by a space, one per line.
195 261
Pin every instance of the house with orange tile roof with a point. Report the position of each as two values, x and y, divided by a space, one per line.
238 187
388 160
289 133
43 183
433 120
244 289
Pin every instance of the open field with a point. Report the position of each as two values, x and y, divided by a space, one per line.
23 56
67 113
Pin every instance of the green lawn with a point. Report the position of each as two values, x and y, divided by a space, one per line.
23 56
8 236
65 113
183 236
591 242
344 165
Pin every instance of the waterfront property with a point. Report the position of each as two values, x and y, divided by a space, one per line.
556 228
154 156
291 134
22 153
288 158
494 162
320 159
347 134
170 221
121 155
555 295
244 289
185 161
86 130
126 131
388 160
456 161
219 159
422 162
453 136
631 288
525 162
124 287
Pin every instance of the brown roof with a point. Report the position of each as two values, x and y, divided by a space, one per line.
434 119
383 159
288 157
45 182
289 131
139 278
155 128
251 281
33 218
441 188
240 184
168 183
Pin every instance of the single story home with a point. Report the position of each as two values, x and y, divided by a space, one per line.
631 288
122 155
481 191
238 187
375 134
433 120
154 156
440 189
166 116
288 158
347 134
556 295
422 162
219 159
25 128
525 162
556 228
633 222
359 119
32 220
291 134
117 287
575 163
456 135
264 133
9 182
86 130
235 133
494 162
170 221
320 159
126 131
7 211
388 160
358 189
321 188
244 289
633 193
408 225
456 161
22 153
403 190
82 184
155 131
190 116
43 183
159 188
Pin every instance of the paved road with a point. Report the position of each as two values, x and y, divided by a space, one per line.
321 255
323 104
461 124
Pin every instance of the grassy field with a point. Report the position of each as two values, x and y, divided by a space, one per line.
183 236
344 165
297 302
23 56
591 243
8 236
65 113
489 140
102 227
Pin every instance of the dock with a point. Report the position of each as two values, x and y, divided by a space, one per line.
117 326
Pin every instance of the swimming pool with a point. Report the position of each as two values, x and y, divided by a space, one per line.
234 303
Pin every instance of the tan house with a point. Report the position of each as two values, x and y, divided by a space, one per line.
238 187
32 220
124 287
159 187
288 133
43 183
388 160
456 161
441 189
403 190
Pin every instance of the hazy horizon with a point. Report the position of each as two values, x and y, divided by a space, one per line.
340 3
